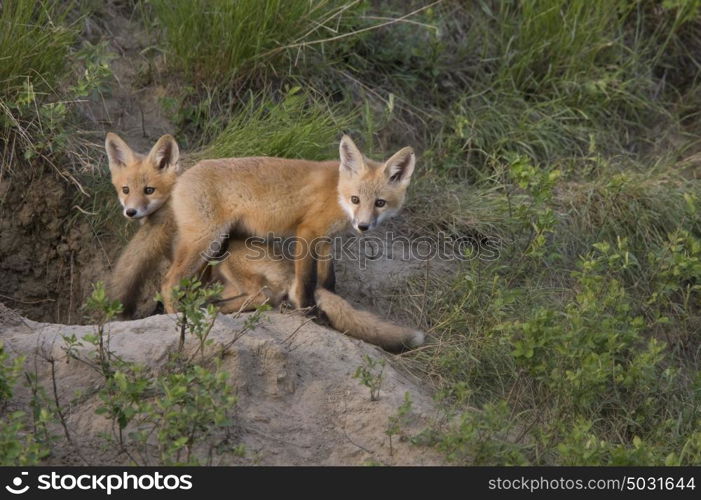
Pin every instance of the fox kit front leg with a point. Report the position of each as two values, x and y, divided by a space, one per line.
189 258
302 291
326 277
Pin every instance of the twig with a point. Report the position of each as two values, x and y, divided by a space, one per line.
83 211
27 301
61 416
289 337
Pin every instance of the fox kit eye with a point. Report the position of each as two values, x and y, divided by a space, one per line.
380 203
125 190
355 200
149 190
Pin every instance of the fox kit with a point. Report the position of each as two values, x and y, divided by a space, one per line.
248 282
309 200
143 184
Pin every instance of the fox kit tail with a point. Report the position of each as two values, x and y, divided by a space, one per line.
364 325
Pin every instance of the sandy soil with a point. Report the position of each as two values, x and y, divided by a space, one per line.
298 402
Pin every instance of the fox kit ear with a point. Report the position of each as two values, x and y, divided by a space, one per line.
400 166
118 153
351 158
165 153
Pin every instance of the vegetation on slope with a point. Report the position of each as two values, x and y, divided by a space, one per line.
565 131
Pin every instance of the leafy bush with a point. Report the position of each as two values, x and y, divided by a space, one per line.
166 416
483 438
608 355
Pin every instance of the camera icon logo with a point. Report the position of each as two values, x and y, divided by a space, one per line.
17 483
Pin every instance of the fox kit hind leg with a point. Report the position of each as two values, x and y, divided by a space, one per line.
242 291
190 257
252 276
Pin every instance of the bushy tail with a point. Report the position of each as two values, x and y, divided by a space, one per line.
364 325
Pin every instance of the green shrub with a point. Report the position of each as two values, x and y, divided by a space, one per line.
484 438
171 415
18 443
592 352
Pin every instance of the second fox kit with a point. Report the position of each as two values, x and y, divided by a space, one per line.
144 185
305 199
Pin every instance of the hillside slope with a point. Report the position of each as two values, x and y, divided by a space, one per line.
298 403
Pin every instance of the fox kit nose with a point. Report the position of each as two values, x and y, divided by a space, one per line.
363 227
131 212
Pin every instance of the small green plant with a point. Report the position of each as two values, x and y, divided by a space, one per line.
122 400
102 310
676 284
196 311
20 443
484 438
534 212
397 421
172 413
370 374
43 411
194 406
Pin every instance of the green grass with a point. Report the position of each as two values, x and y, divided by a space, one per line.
219 41
44 73
34 43
297 126
559 79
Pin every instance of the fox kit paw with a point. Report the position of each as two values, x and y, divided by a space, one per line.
300 299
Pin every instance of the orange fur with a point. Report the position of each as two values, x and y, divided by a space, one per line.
134 176
248 282
305 199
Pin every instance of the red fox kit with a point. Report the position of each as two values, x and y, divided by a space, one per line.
306 199
247 282
143 185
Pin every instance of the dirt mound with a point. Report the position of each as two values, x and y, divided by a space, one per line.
298 403
41 249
